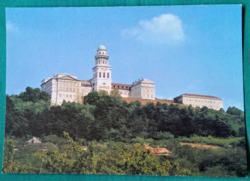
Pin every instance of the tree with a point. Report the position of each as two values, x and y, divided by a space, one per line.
102 93
234 111
92 98
12 166
115 93
34 95
136 162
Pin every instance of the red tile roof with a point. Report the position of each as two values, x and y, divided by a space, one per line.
86 82
120 86
198 95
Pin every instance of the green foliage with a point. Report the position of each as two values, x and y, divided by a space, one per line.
12 166
76 160
211 141
234 111
34 95
92 98
108 118
115 93
115 132
103 93
36 107
129 158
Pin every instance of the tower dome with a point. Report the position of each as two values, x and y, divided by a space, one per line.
102 47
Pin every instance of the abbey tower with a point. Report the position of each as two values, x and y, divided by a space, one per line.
102 71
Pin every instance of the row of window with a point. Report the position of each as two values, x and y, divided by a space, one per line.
102 61
101 53
123 87
201 101
125 93
69 84
103 75
147 90
202 105
67 89
148 96
67 95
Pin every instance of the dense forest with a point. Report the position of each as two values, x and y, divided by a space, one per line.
115 131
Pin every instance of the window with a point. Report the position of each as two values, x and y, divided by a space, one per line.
100 74
108 75
59 95
66 95
70 96
103 74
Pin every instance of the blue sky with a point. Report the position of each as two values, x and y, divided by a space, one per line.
183 49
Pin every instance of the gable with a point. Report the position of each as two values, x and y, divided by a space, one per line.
67 77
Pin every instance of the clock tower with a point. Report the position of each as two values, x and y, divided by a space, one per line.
102 71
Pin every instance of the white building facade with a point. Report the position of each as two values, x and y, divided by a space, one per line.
197 100
67 87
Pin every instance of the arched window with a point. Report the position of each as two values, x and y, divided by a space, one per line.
108 75
103 74
100 74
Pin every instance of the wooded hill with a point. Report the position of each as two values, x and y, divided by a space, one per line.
107 120
105 117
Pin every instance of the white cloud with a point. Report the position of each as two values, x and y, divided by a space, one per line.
164 29
11 27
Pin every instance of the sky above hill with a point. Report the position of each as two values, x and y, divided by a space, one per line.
183 49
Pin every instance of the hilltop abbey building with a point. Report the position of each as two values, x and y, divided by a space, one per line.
67 87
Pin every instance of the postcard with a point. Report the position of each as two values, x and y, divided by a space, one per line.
153 90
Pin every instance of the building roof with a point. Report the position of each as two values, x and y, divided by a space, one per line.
142 80
101 47
85 82
120 86
34 140
201 96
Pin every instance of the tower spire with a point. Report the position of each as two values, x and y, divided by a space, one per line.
102 70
